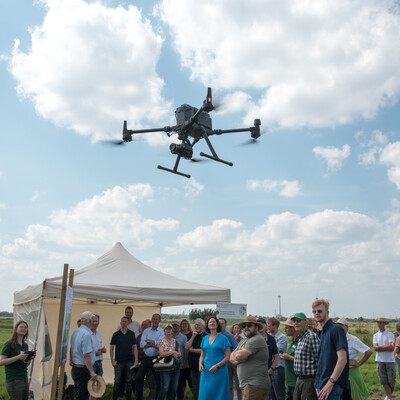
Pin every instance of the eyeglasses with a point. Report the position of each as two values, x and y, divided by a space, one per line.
317 311
247 325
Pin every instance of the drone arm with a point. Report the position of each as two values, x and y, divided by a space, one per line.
255 130
127 133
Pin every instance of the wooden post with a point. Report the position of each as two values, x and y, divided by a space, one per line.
59 336
62 368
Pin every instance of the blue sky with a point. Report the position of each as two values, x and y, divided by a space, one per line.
313 210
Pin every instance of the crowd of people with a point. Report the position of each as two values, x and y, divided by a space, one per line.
315 358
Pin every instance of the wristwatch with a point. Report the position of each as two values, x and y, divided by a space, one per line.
332 380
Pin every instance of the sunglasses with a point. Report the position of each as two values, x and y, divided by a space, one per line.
317 311
247 325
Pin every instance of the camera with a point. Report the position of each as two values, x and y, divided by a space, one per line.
30 353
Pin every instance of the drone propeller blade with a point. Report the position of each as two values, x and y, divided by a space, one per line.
197 160
249 142
112 142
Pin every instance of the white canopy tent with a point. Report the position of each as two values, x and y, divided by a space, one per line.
104 287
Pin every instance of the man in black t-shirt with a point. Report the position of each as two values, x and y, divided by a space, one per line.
123 344
193 347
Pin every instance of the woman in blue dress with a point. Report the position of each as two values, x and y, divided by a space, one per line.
215 353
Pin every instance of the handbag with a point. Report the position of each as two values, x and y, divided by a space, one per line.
163 363
169 363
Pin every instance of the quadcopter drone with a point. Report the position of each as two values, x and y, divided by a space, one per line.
192 123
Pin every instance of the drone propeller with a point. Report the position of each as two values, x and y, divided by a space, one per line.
197 160
248 142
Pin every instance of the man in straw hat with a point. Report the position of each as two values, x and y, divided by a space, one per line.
290 376
384 346
251 359
358 390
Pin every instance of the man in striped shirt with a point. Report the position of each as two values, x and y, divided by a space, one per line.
305 359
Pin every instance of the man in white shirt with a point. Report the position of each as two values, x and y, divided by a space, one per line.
384 347
133 326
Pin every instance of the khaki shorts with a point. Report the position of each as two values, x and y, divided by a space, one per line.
386 373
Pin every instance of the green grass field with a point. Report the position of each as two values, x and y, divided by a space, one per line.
363 330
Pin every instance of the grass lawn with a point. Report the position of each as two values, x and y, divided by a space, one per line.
362 330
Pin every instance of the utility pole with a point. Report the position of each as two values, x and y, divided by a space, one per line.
280 310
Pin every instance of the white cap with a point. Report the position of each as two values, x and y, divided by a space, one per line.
87 316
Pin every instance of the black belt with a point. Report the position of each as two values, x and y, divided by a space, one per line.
97 361
305 376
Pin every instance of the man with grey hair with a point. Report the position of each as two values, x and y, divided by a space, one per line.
192 346
305 359
82 357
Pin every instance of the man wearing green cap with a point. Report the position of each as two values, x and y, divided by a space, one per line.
305 359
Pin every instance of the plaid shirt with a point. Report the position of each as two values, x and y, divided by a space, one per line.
306 354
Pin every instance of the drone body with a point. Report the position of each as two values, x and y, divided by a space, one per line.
196 124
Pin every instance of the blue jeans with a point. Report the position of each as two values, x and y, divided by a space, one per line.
336 393
277 390
168 384
98 368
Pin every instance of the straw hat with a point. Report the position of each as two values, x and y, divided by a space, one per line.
96 388
342 321
384 320
251 320
288 322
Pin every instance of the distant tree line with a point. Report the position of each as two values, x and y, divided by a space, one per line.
198 313
174 316
6 314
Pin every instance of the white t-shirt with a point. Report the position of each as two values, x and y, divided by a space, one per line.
383 339
356 346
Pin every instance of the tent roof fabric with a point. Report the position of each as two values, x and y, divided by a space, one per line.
118 276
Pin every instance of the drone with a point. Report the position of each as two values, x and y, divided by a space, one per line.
195 123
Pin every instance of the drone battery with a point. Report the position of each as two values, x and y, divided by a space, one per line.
185 112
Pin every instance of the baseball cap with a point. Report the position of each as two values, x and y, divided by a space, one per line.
299 315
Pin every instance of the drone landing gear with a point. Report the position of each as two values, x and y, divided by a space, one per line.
175 169
214 154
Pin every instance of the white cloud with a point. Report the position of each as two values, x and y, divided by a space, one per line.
35 196
94 223
284 187
192 187
373 145
391 156
333 156
315 63
90 67
323 254
376 149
